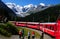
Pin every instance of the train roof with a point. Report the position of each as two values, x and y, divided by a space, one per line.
38 23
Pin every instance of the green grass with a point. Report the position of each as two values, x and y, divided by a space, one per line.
26 31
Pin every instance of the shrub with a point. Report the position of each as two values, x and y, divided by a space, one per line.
12 28
4 32
8 29
3 26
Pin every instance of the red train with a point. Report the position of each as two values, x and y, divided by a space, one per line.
45 27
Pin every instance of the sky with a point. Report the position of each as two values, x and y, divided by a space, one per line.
35 2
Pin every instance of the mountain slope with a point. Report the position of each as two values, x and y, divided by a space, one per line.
6 12
27 9
48 15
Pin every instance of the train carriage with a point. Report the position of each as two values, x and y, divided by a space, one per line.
49 22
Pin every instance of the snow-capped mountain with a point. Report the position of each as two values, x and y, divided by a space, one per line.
27 9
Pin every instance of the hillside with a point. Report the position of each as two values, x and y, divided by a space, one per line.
6 12
48 15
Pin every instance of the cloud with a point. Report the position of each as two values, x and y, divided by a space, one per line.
30 5
42 4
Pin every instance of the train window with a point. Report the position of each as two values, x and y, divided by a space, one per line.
41 25
32 24
48 27
45 26
52 27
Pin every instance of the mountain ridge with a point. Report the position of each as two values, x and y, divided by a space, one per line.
27 9
48 15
